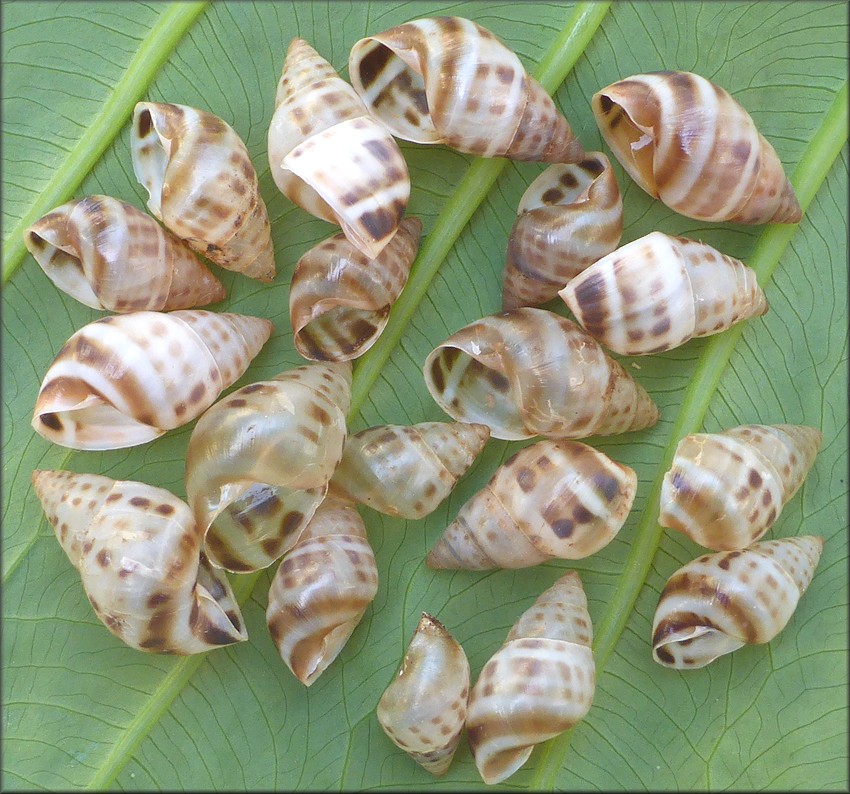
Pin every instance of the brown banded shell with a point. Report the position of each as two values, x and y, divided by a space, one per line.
657 292
259 462
125 380
553 499
138 551
448 80
328 156
686 141
340 299
530 372
202 185
404 470
109 255
537 685
321 590
569 217
423 710
721 602
725 490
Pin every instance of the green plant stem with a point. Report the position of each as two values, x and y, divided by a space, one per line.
470 192
104 128
809 175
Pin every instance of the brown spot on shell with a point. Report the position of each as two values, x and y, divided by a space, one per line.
103 558
140 501
563 527
52 421
754 478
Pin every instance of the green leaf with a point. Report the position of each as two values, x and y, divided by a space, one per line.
83 710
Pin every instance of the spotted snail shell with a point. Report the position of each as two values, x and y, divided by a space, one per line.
448 80
259 462
340 299
538 684
109 255
569 217
423 710
138 552
530 372
125 380
686 141
725 490
559 499
657 292
404 470
202 185
721 602
322 589
330 157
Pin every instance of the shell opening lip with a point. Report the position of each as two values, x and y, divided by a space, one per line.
60 264
150 156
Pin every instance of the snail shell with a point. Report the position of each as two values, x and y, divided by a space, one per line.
721 602
657 292
340 299
259 462
404 470
423 710
138 552
329 157
530 372
448 80
203 186
569 217
725 490
109 255
125 380
322 589
558 499
686 141
538 684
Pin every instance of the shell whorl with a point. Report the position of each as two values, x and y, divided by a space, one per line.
686 141
109 255
138 551
721 602
530 372
125 380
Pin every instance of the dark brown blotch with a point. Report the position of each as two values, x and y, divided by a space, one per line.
563 528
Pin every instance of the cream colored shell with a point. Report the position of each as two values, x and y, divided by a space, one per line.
657 292
138 551
553 499
423 710
685 140
125 380
109 255
448 80
537 685
721 602
530 372
725 490
259 462
202 185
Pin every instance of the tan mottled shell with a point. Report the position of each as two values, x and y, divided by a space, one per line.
109 255
423 710
721 602
537 685
332 159
259 462
138 551
405 470
657 292
322 589
127 379
340 299
448 80
559 499
569 217
725 490
530 372
203 186
686 141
